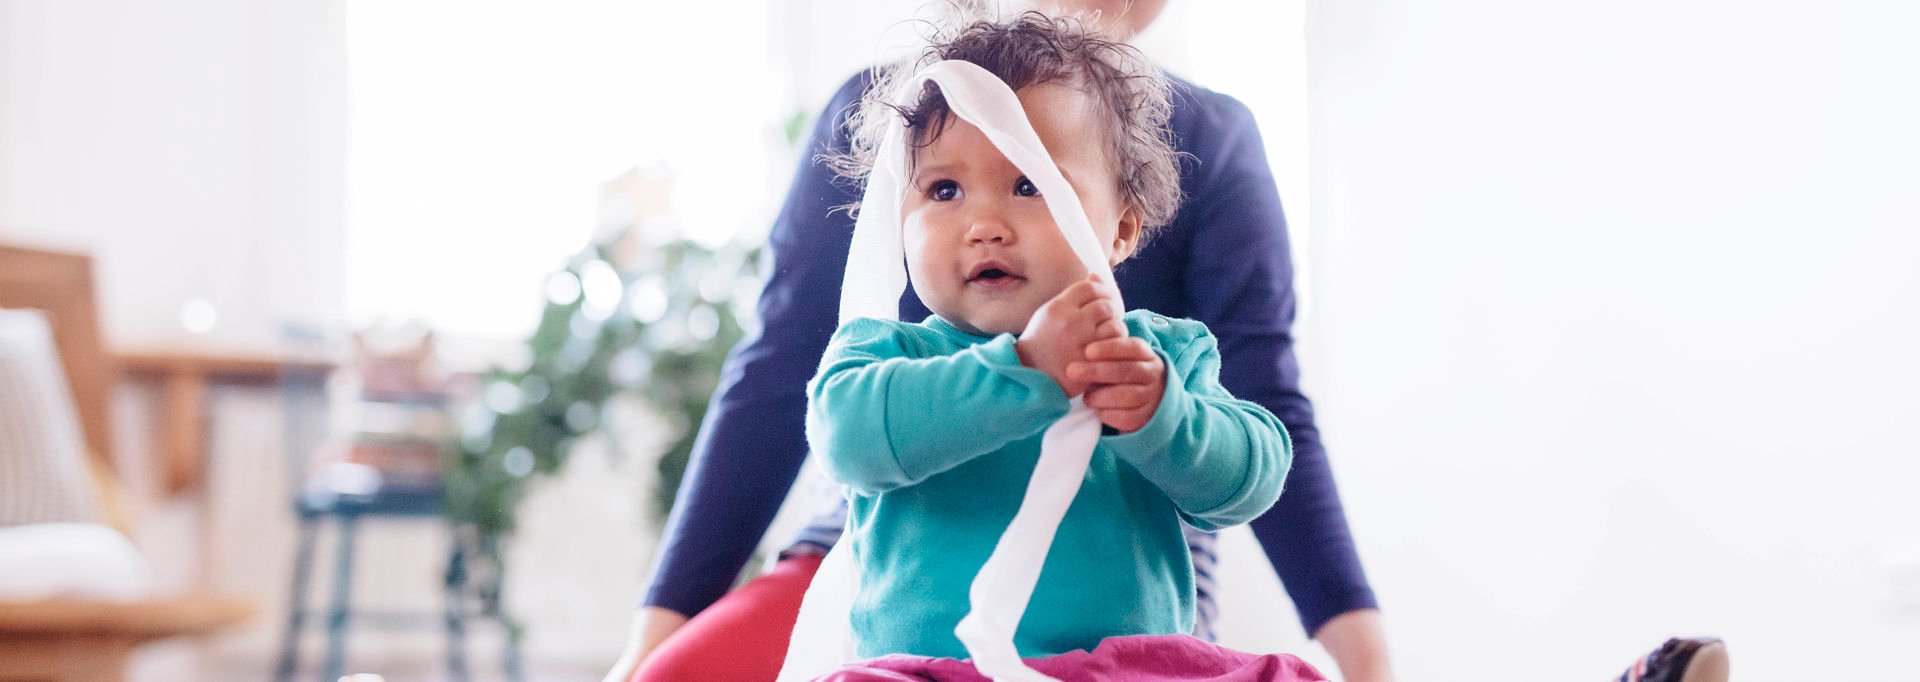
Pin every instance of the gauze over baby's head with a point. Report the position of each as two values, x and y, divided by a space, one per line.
1127 95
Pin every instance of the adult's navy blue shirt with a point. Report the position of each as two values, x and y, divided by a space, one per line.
1223 261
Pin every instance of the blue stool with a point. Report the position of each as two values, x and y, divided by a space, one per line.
347 494
315 507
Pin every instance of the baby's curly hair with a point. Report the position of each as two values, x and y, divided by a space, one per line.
1130 94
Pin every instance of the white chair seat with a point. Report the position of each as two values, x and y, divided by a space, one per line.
79 560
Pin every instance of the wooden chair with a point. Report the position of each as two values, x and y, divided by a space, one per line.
72 638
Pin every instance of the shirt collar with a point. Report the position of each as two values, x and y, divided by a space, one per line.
947 329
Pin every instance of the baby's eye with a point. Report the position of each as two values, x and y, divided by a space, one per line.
1024 187
943 190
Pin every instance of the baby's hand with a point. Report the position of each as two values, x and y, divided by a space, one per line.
1061 330
1126 379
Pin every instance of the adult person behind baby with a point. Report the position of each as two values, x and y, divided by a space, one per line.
1224 261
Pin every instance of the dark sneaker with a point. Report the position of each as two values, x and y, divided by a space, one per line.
1682 660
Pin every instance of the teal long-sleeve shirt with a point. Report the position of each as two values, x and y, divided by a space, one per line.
936 433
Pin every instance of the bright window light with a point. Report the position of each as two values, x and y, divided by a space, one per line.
482 132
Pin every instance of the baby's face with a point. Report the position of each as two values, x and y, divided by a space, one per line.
982 250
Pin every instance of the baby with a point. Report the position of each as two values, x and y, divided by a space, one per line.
936 426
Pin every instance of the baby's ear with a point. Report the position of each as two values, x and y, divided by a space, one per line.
1126 236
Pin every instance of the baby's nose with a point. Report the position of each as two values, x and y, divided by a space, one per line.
989 230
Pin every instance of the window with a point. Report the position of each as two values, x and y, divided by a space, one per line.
481 133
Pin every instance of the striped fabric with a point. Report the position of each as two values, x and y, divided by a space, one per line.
43 472
820 534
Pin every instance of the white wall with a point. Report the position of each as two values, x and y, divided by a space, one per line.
1615 323
195 148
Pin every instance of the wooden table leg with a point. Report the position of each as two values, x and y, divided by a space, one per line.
184 428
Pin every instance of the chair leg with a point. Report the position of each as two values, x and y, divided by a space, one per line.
515 672
456 612
491 585
342 589
289 665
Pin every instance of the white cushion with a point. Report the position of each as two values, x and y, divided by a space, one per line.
49 545
70 560
43 469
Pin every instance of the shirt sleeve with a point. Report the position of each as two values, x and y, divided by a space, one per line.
1221 460
1240 272
752 442
883 420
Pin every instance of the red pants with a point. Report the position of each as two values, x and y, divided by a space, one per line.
741 637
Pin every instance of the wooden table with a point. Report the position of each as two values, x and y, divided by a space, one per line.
78 640
184 375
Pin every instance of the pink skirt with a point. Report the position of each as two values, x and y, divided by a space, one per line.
1142 658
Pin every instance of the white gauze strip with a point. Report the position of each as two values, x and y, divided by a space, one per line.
875 278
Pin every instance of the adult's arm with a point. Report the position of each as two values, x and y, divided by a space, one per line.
1358 645
1240 283
753 440
651 626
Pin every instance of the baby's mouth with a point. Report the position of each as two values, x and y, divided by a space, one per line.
992 273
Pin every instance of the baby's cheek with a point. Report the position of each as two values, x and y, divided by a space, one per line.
921 259
923 267
913 238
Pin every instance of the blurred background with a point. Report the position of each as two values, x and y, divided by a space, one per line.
1608 309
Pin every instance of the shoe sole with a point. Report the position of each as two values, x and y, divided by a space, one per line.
1709 664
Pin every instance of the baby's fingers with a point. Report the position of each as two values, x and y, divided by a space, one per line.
1114 372
1120 348
1093 288
1101 310
1127 421
1121 396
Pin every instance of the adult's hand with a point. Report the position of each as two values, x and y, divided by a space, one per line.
651 626
1358 645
